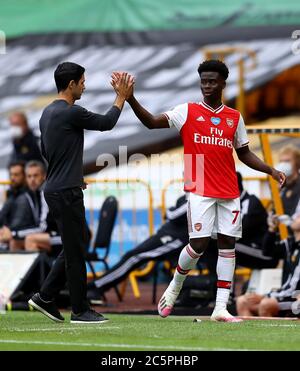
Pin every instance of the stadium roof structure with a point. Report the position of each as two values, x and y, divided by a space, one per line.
277 128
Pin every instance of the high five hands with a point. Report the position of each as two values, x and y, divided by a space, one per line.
123 83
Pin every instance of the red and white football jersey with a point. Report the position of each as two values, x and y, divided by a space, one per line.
209 137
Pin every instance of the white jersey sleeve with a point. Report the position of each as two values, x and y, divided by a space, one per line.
240 137
177 116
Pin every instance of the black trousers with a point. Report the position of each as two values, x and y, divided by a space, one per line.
67 208
163 245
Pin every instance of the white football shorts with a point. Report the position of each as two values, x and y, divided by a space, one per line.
208 216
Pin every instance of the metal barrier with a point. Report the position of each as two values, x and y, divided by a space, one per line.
99 189
264 130
120 188
128 196
107 189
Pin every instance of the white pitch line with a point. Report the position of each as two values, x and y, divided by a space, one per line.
75 328
128 346
279 325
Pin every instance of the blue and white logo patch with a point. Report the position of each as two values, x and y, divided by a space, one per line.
215 120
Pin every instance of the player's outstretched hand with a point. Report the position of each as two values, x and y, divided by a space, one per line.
123 83
279 176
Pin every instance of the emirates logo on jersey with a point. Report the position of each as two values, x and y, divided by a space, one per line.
229 122
215 138
198 226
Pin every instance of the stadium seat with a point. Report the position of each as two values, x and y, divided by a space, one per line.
107 218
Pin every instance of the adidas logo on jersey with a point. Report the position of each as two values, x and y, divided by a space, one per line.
200 118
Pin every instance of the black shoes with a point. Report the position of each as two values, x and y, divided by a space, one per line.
49 308
89 316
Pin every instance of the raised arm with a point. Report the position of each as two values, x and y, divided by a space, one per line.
146 118
93 121
251 160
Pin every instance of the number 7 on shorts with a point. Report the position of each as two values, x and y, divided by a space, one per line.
236 214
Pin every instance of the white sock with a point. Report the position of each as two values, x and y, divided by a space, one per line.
187 260
225 272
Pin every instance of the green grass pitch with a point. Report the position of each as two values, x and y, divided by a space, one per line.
33 331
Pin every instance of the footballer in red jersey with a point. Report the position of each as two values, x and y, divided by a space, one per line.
210 131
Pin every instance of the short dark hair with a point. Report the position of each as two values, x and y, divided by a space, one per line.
17 163
214 65
35 163
66 72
